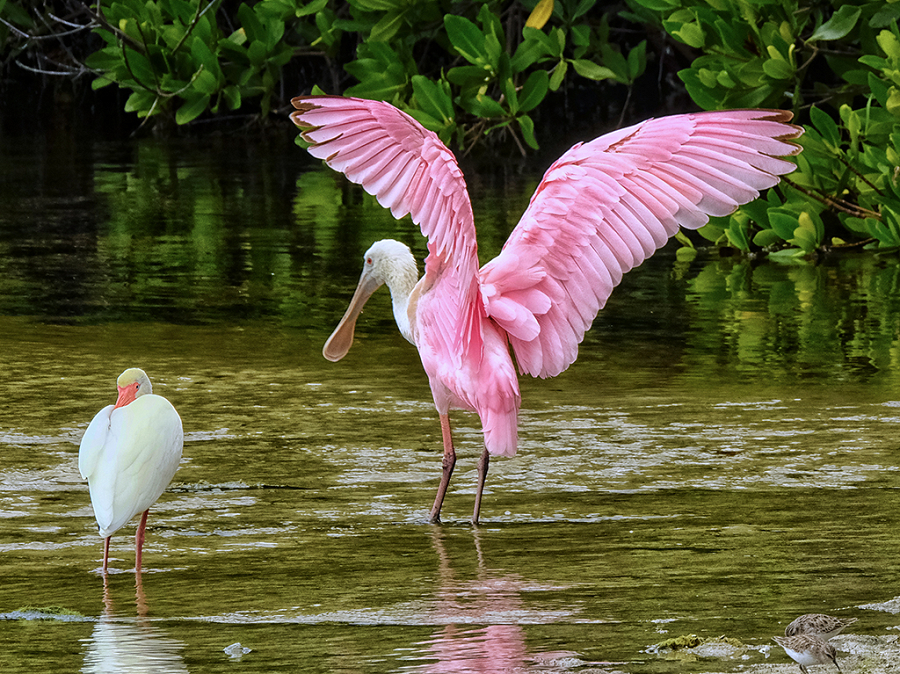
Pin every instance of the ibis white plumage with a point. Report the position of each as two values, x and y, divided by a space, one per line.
128 455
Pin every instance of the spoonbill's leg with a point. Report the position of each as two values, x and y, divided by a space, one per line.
139 541
105 552
483 464
447 464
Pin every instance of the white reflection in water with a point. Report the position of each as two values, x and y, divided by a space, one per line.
126 645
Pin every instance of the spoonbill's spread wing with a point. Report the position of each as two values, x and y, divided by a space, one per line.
406 167
606 205
409 170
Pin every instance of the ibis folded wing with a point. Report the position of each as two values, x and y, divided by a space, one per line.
140 452
92 442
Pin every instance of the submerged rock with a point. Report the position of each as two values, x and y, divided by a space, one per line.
890 606
720 647
236 650
857 653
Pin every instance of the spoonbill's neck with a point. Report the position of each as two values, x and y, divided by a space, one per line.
401 277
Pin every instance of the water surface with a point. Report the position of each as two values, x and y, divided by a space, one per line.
721 458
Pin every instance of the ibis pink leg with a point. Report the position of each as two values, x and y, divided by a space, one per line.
139 541
105 552
483 464
447 464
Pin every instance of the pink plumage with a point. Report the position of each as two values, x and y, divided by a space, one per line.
600 210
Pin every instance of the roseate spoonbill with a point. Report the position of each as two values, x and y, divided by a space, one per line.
600 210
128 455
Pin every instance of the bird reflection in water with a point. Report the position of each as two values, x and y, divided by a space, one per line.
482 622
130 645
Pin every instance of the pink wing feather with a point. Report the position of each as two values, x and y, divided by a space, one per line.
600 210
605 206
409 170
405 166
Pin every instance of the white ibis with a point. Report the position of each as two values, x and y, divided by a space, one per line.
128 455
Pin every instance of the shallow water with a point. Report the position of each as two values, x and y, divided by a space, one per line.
721 458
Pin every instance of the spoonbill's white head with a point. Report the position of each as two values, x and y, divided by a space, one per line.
131 384
391 262
386 262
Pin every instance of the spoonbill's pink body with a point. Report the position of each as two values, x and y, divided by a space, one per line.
600 210
128 455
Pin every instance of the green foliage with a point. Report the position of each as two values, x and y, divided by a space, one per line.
486 77
460 69
172 54
837 65
483 68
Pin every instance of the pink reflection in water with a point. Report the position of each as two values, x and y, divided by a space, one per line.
482 620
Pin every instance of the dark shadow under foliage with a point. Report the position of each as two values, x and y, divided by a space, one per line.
496 81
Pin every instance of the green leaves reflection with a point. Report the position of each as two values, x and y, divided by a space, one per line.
840 319
230 235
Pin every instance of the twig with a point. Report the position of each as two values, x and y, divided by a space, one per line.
40 71
625 105
837 204
815 51
36 38
14 29
193 24
855 244
67 23
515 136
62 43
861 176
131 72
475 133
124 37
146 117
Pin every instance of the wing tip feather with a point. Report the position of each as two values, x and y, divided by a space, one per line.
771 115
303 105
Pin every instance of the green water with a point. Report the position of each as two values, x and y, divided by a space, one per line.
721 458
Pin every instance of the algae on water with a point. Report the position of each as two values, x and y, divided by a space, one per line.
59 613
676 643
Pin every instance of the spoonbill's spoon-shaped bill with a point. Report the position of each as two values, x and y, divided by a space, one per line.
128 455
600 210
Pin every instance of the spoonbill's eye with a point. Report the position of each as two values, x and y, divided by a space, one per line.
368 260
